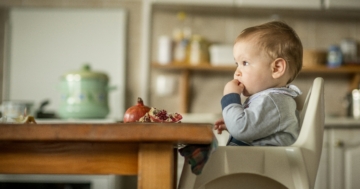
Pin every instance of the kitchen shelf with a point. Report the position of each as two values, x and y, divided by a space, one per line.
306 69
201 67
185 71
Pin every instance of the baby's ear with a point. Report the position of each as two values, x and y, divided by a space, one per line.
278 68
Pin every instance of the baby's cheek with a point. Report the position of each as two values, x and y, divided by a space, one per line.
245 92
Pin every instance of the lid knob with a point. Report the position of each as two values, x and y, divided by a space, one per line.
86 67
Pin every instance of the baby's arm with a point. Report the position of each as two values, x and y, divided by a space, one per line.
232 91
220 126
257 121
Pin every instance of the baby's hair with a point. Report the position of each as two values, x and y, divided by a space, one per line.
278 40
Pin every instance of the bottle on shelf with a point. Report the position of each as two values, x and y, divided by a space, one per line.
164 50
198 51
180 45
334 57
181 37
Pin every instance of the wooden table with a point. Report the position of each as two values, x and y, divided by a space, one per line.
143 149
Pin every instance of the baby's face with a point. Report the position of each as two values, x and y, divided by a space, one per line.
253 67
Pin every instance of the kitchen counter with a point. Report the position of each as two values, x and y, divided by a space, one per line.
143 149
341 122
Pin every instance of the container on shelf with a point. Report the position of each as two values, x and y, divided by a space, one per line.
334 56
181 38
180 46
221 55
164 50
356 103
349 50
197 51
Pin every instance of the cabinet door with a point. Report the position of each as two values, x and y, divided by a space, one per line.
196 2
342 4
344 158
293 4
322 179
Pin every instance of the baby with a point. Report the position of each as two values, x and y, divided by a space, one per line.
268 58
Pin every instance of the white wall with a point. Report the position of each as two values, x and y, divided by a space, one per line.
46 43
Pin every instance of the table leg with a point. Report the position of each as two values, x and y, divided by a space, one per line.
156 166
175 151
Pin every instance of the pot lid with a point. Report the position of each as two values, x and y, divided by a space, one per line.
85 73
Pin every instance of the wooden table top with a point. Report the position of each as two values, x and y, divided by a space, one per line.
109 132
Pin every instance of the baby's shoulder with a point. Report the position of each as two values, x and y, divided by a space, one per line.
276 98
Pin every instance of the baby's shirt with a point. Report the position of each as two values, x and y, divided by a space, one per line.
266 118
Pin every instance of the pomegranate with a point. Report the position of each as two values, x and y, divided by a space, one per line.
134 113
156 115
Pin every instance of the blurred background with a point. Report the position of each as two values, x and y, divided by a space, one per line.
319 25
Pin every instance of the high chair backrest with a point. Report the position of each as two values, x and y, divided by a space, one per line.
312 118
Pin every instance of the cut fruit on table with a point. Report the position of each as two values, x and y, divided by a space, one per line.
157 115
142 113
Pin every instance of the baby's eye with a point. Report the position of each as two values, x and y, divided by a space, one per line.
245 63
236 64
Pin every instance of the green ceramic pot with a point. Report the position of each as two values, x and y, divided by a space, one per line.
84 95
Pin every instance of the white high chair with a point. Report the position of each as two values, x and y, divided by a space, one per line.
268 167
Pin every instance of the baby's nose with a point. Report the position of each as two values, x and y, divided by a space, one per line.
237 73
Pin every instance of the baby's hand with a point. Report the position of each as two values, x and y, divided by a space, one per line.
220 126
233 86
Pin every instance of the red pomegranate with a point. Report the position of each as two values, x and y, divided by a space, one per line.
160 116
134 113
157 115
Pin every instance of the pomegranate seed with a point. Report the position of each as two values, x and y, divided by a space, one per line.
162 114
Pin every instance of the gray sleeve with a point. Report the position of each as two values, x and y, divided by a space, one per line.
259 120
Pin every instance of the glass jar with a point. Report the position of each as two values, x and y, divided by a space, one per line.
349 50
198 51
334 57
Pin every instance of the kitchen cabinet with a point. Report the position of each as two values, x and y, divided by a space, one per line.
344 155
294 4
339 164
342 4
322 180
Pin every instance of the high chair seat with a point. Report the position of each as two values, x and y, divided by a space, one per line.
268 167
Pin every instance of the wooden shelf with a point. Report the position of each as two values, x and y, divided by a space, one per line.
185 70
347 69
201 67
350 69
